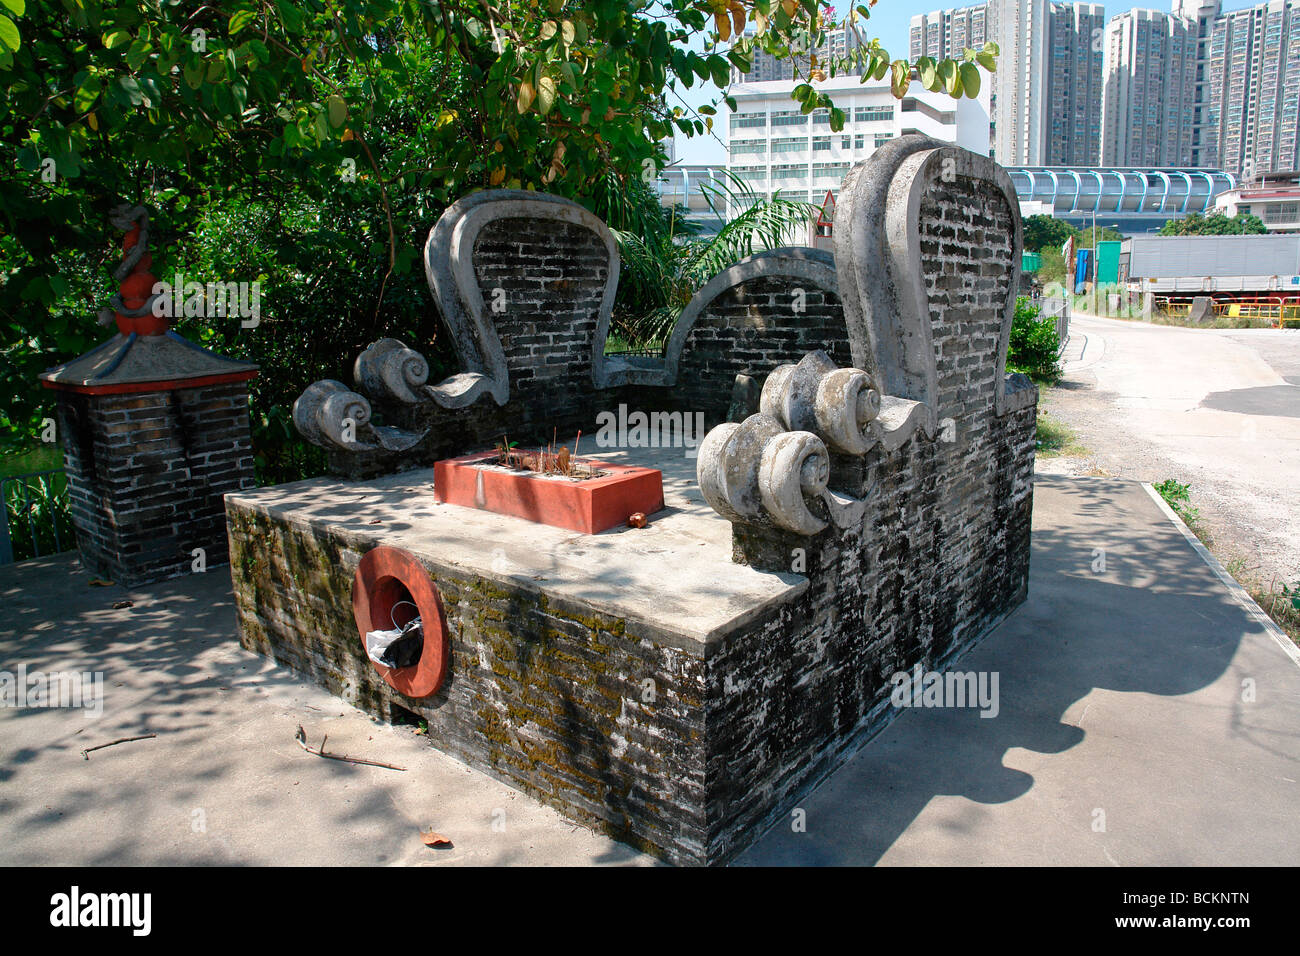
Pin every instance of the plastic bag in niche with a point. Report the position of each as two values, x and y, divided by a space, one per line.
399 647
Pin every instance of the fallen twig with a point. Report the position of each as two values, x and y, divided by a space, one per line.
301 737
113 743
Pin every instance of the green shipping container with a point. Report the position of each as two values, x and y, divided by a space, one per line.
1030 262
1108 262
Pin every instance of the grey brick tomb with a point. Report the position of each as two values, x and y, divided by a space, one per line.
678 686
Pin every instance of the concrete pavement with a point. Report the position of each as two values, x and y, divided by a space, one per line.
1121 691
1216 409
1123 737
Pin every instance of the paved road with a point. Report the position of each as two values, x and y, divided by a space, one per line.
1218 410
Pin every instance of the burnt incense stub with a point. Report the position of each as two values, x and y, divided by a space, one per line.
154 432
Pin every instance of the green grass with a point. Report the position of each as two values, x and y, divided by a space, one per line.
43 508
617 343
1218 322
1282 604
1056 438
40 458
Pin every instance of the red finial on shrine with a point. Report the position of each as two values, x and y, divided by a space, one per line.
133 305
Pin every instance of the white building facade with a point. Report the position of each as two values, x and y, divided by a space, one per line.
773 146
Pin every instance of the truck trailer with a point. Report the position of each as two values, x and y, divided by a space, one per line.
1181 267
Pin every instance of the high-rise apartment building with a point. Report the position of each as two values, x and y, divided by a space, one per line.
1148 111
1252 90
767 68
1049 82
946 33
1045 98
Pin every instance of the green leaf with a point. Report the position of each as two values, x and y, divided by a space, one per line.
130 89
193 73
545 95
138 53
901 77
925 68
970 80
241 19
37 289
566 32
988 61
338 110
116 38
944 74
17 6
720 71
9 35
29 158
87 94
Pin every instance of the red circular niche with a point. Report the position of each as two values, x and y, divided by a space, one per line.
384 577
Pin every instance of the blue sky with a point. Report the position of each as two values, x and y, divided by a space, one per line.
890 21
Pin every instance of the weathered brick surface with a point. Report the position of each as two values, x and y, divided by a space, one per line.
146 475
941 557
551 275
751 329
545 697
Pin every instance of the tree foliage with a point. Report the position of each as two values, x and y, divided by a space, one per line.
1042 232
1215 224
313 143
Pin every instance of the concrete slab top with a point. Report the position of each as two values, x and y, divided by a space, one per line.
673 581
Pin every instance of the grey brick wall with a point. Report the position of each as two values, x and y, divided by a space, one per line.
146 475
552 275
965 238
752 328
543 696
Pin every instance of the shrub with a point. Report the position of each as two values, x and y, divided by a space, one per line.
1178 496
1034 347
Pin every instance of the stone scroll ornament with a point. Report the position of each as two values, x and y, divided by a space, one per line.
772 469
389 372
